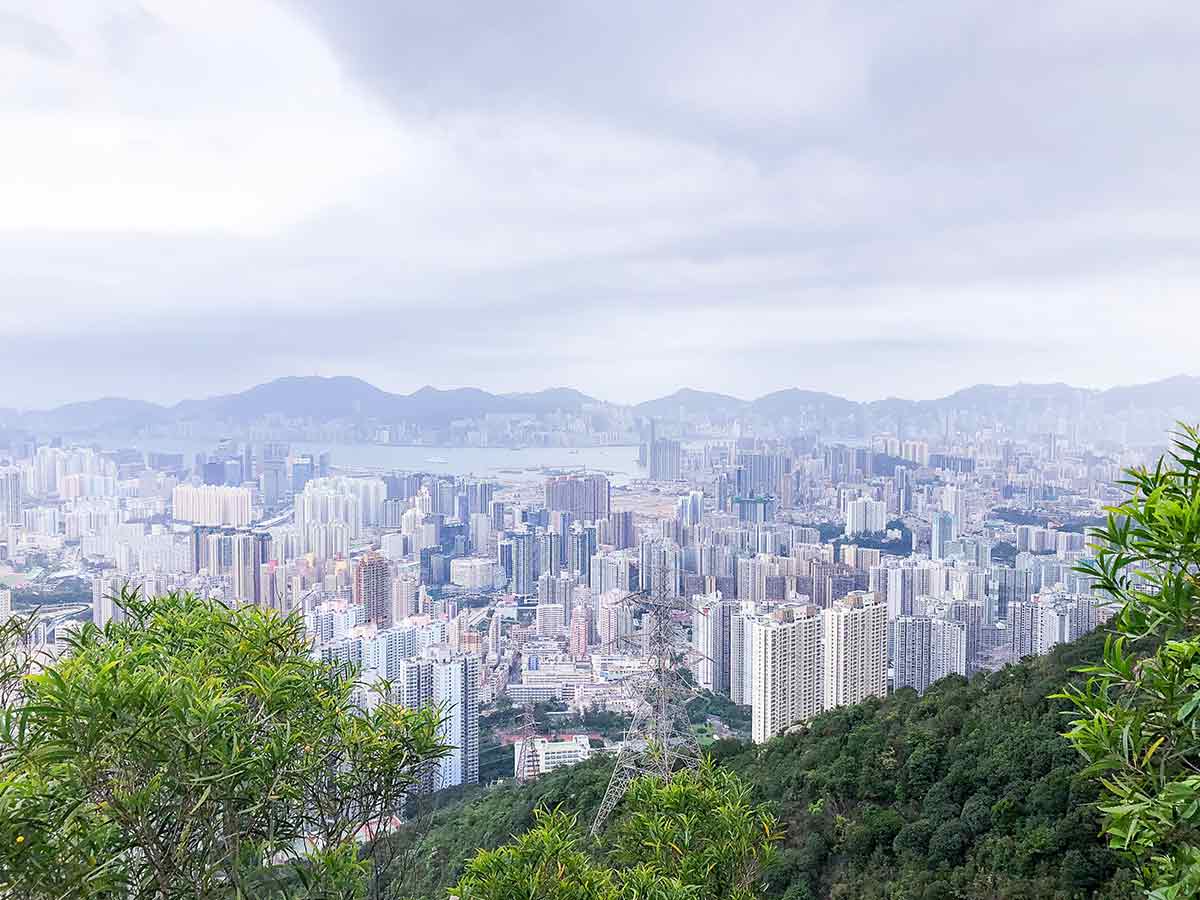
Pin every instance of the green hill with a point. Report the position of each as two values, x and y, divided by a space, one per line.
967 792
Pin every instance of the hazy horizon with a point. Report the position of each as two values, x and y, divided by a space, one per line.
619 198
634 402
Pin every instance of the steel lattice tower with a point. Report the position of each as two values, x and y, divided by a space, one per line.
527 765
659 740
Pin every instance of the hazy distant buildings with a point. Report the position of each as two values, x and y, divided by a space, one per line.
208 504
944 530
621 531
239 554
660 567
411 678
615 571
954 501
762 474
580 631
106 591
250 551
521 548
747 511
473 572
665 460
614 623
304 469
10 496
755 509
585 497
752 575
550 619
690 509
1051 618
406 598
901 591
866 516
373 588
973 614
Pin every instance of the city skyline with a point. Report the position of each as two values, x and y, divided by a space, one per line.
622 199
808 569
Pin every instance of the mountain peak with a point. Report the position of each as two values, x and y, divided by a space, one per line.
319 398
692 402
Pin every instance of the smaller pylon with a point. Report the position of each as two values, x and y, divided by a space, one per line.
527 762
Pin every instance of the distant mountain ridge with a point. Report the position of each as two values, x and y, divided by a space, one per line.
299 397
346 398
1180 393
692 402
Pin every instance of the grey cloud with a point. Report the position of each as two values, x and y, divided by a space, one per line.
955 172
126 30
32 36
965 82
954 114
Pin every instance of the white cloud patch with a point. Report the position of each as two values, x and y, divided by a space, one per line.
626 198
174 117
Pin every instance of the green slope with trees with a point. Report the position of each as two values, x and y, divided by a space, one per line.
699 837
967 792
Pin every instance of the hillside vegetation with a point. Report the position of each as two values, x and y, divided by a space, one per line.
967 792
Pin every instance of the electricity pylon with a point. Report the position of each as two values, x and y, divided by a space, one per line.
527 762
659 740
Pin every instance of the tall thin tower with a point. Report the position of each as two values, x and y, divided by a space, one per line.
526 768
659 740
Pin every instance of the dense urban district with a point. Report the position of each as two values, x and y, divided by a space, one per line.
819 557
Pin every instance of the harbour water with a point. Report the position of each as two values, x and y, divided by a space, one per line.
502 463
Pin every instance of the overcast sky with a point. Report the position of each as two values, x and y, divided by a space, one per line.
620 197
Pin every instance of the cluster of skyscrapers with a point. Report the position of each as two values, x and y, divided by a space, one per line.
809 574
